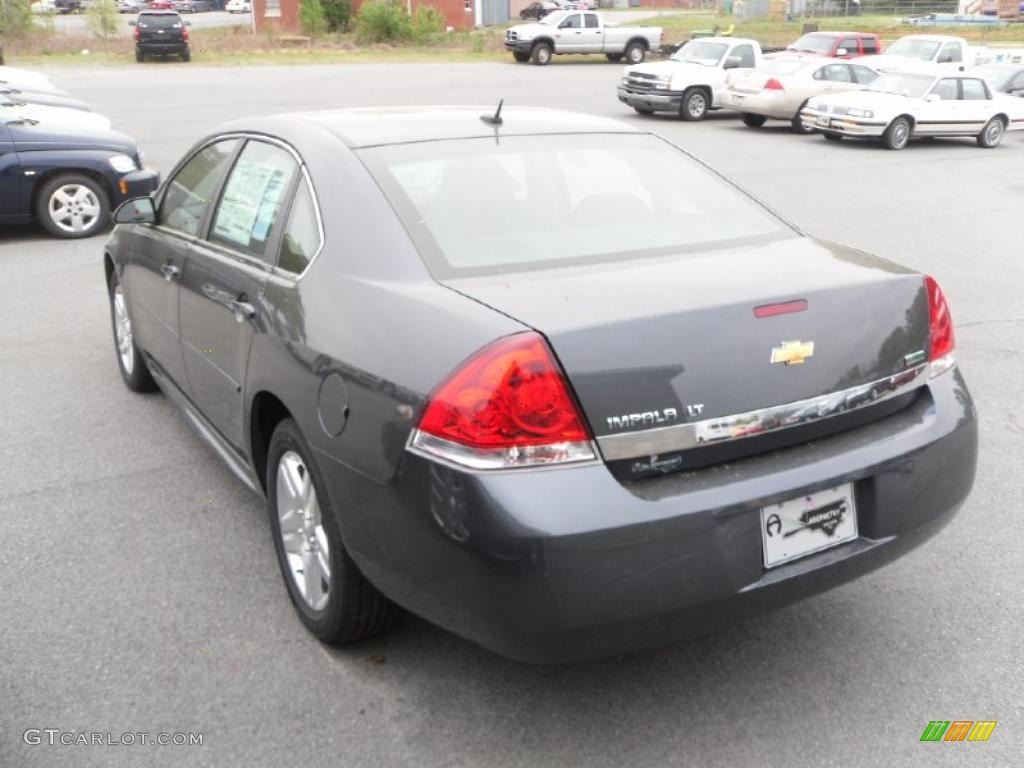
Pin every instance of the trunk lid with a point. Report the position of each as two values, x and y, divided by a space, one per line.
680 334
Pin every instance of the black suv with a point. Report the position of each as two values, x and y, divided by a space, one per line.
161 33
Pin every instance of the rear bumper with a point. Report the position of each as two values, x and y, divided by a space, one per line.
657 102
770 104
569 564
161 48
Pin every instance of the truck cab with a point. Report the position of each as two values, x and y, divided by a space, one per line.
934 54
580 32
692 81
838 45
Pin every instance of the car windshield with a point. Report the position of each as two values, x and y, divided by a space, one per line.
701 52
813 44
998 77
914 48
480 206
160 20
782 66
554 18
914 86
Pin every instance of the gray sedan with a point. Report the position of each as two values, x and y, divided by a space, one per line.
541 378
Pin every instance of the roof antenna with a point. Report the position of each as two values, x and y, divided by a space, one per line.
494 119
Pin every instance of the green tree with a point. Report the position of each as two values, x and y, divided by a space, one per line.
383 21
15 17
312 18
338 14
103 18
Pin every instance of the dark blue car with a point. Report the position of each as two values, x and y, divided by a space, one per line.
68 178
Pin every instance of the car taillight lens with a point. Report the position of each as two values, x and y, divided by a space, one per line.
184 33
138 34
940 351
509 405
773 85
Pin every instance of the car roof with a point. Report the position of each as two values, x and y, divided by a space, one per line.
940 38
366 127
830 33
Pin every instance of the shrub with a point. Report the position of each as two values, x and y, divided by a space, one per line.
428 24
338 14
312 18
382 21
103 18
15 17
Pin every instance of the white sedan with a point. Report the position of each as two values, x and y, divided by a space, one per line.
11 110
238 6
898 107
780 88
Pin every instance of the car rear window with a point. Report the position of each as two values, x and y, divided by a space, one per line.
159 20
484 206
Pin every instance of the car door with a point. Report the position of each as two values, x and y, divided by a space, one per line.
863 75
975 107
938 114
1016 86
851 47
591 37
950 58
10 176
569 33
157 254
835 78
223 283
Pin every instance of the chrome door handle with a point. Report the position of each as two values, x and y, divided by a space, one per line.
170 271
243 309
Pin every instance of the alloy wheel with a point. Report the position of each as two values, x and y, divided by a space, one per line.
302 533
123 331
74 208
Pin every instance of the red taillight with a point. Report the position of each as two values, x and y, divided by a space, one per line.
184 33
773 85
941 325
138 34
508 405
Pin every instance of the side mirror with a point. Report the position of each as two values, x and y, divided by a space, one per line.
931 98
840 52
733 62
138 210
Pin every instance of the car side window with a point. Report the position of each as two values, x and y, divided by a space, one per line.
1018 83
253 195
301 239
189 192
850 44
571 22
837 73
946 89
974 90
870 45
950 52
745 53
591 20
863 74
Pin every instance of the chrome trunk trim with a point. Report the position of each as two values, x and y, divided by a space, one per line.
721 429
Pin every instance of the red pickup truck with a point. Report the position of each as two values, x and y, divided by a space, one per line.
840 45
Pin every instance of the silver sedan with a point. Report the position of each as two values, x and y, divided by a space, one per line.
780 88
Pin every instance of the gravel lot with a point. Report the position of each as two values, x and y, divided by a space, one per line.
139 590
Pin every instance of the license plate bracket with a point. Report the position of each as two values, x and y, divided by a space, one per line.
804 526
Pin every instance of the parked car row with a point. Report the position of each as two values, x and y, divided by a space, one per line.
922 87
61 164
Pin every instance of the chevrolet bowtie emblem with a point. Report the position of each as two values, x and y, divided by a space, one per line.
793 352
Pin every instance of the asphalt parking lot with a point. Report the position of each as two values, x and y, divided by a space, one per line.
139 590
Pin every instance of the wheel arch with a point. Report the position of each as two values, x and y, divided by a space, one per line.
638 39
44 178
537 41
265 413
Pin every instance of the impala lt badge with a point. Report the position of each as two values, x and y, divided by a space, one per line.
793 352
644 419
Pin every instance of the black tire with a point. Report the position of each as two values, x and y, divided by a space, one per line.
833 136
140 56
695 104
354 609
135 373
541 54
992 133
614 56
520 57
897 135
753 121
186 56
66 181
797 124
635 53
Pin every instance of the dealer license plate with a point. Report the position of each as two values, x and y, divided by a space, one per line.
803 526
822 122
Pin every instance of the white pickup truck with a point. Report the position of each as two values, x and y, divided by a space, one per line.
692 81
580 32
931 54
